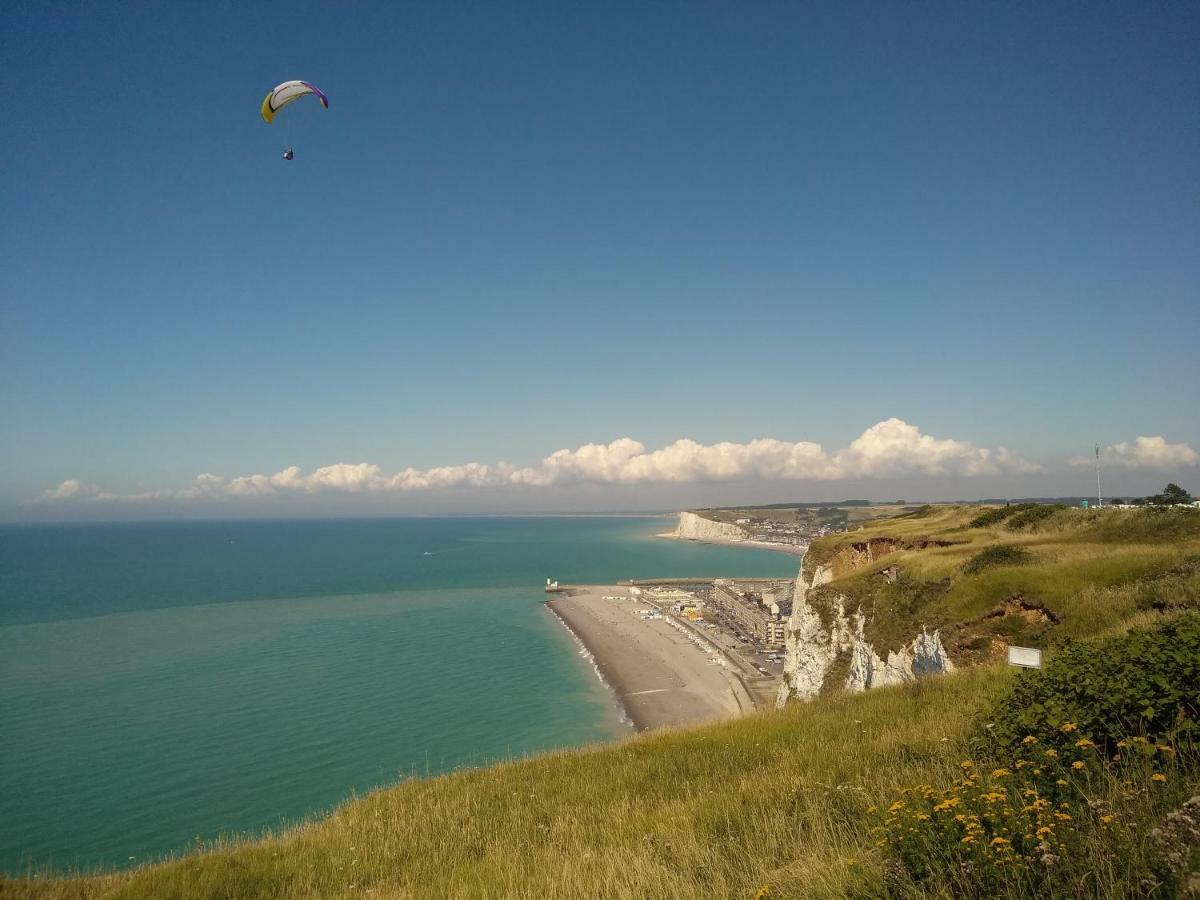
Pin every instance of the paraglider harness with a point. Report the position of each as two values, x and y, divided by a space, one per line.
288 154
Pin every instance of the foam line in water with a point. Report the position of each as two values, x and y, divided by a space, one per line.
587 654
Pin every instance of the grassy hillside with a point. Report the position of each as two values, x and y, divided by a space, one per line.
1031 575
778 798
811 801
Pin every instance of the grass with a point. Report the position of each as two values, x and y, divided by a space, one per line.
992 557
778 799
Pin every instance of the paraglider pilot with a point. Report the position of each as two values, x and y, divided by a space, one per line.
285 93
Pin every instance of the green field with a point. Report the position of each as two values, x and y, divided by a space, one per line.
781 803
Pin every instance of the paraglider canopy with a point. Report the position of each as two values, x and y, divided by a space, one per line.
285 93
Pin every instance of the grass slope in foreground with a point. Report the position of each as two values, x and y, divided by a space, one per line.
798 802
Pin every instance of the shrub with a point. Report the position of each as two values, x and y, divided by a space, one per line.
996 556
1081 786
1145 682
998 515
1037 512
1030 823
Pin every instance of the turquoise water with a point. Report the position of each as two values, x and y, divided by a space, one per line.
164 682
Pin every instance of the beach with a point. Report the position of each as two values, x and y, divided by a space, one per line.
778 547
658 673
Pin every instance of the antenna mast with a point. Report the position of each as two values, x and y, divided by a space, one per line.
1099 500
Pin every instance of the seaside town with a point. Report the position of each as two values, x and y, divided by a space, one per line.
736 627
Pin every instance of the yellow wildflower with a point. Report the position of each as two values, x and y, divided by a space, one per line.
1063 817
1163 748
969 839
1029 739
1158 776
872 809
998 842
922 817
1061 782
1068 727
1078 764
1084 742
896 807
1045 830
1000 773
966 764
1105 819
1052 753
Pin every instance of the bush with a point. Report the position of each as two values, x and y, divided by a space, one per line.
1033 822
996 556
1146 682
1081 786
998 515
1037 512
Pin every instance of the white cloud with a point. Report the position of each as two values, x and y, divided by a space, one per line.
888 449
894 447
71 489
1144 453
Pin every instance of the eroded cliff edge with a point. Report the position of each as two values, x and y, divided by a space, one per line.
826 644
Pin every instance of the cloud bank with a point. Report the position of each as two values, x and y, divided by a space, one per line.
1144 453
888 449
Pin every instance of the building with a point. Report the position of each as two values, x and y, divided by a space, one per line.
756 615
775 629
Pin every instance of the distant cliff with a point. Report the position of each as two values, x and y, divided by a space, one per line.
693 527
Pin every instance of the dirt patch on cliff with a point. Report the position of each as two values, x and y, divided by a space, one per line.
1030 612
1014 620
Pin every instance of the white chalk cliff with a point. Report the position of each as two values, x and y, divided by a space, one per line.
697 528
812 647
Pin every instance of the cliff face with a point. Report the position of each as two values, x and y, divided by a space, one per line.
697 528
830 651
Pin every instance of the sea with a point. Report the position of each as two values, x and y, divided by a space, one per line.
164 685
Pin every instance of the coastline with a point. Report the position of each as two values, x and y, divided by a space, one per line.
658 674
790 549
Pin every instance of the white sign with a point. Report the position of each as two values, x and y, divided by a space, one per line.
1026 657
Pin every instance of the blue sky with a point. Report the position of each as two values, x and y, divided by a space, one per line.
527 227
